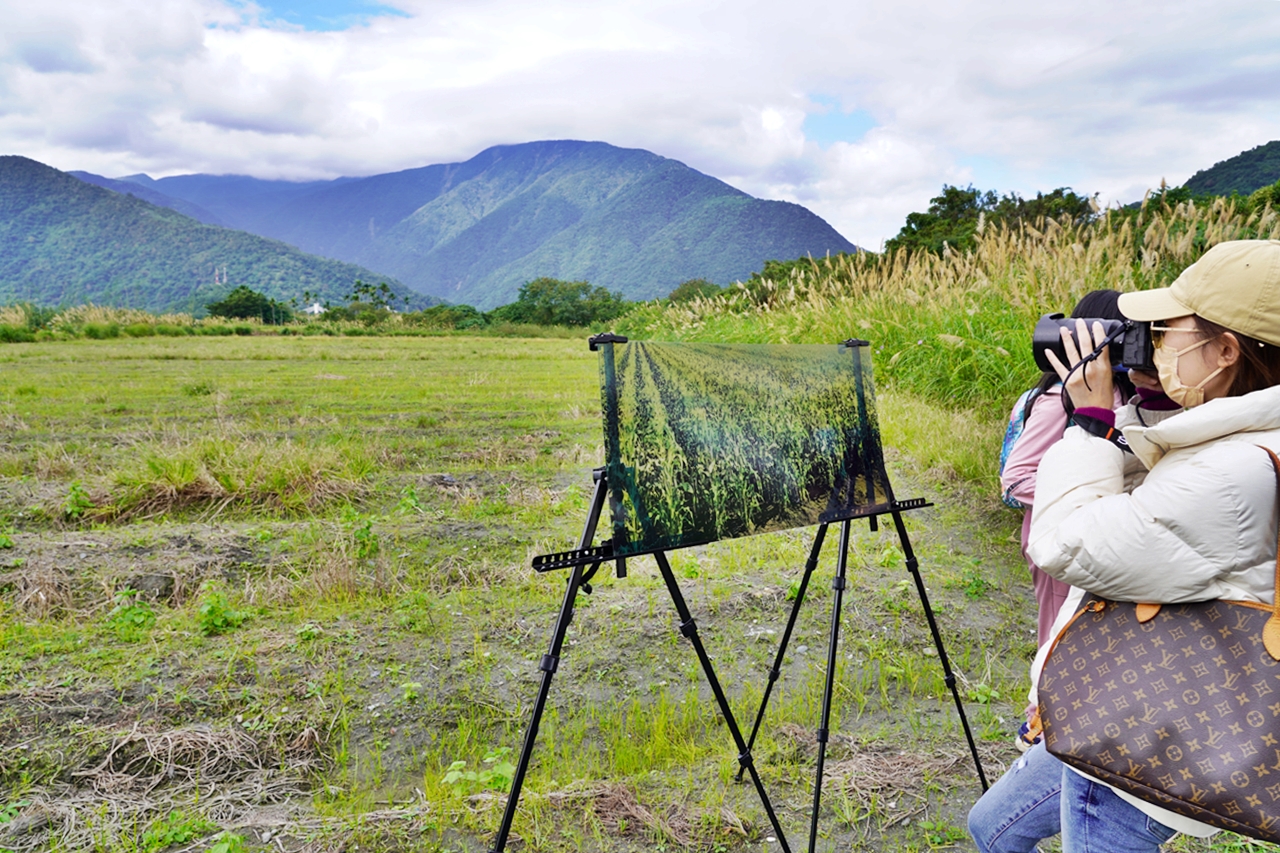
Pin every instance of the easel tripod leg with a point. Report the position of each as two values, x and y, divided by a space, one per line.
809 566
837 585
690 630
948 676
550 663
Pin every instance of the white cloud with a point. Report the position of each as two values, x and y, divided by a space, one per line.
1100 96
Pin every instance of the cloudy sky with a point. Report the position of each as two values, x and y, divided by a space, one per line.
858 109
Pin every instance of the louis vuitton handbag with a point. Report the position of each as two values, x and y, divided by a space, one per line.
1178 705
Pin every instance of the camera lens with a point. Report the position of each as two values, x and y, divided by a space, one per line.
1130 342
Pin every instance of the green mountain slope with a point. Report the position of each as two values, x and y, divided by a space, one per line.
1248 171
473 232
64 241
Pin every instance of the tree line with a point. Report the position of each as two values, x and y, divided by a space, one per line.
541 302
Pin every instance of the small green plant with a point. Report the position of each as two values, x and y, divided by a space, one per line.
939 833
889 556
9 811
228 843
974 584
410 690
897 598
983 693
366 541
174 828
78 501
308 632
216 615
199 389
494 776
409 501
132 617
6 540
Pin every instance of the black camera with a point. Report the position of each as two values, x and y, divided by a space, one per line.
1130 341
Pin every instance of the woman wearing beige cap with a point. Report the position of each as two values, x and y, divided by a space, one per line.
1202 524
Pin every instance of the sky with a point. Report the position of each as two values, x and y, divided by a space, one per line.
858 109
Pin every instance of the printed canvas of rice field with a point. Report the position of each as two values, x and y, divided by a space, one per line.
714 441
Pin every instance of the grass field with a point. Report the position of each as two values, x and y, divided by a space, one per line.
273 593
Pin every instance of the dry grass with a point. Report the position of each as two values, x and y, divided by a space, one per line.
73 318
621 814
213 474
1049 263
39 591
145 774
13 315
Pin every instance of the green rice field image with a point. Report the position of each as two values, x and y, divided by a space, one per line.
713 441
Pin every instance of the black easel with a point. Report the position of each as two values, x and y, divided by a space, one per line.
590 558
585 555
895 509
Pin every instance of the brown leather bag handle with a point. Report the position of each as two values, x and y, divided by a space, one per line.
1146 611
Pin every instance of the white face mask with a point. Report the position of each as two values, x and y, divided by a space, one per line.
1166 361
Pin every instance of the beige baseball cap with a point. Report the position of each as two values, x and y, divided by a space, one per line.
1235 284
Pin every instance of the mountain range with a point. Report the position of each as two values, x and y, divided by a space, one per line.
474 232
1247 171
64 241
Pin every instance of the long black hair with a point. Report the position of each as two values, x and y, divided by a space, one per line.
1097 304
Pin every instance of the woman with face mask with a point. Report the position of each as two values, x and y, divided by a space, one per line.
1202 524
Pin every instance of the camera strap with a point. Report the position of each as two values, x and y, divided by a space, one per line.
1102 429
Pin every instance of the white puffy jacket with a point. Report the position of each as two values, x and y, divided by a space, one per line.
1201 525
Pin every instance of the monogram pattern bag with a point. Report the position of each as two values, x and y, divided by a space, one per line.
1178 705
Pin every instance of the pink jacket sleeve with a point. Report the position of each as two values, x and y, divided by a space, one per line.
1043 428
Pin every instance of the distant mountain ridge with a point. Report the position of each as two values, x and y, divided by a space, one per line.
473 232
150 196
1247 171
65 241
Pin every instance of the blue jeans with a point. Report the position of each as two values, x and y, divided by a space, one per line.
1038 797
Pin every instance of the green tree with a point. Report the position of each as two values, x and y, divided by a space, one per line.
551 302
378 296
448 317
953 216
694 288
1013 209
1270 194
244 304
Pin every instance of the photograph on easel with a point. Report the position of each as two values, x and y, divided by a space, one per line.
714 441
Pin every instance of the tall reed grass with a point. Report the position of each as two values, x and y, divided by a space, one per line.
956 328
72 319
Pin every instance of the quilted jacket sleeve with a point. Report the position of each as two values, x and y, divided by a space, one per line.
1197 528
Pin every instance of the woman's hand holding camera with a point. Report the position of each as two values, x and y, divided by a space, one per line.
1088 385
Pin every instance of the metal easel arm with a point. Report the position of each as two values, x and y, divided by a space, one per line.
949 677
810 565
690 630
